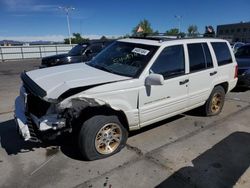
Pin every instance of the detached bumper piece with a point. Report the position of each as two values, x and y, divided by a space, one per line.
26 131
24 124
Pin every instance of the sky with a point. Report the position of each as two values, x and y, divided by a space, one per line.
28 20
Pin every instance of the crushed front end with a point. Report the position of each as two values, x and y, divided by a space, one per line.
36 118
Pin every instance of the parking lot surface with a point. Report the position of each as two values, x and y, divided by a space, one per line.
185 151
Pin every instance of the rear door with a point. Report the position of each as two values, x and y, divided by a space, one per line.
202 73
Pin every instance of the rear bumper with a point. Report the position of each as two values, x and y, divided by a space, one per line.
244 80
232 84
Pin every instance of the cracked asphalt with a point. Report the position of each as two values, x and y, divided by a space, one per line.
185 151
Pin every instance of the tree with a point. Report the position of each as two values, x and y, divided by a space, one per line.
145 26
156 32
182 34
103 38
173 31
76 39
193 30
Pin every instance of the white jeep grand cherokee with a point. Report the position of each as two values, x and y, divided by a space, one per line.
131 84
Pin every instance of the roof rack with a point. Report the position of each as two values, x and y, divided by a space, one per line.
164 37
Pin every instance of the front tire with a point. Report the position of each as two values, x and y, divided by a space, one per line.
101 136
215 102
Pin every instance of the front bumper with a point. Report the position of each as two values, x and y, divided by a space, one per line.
29 126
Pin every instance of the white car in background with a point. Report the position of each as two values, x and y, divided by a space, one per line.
131 84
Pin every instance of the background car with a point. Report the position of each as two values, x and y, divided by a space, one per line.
79 53
235 46
243 59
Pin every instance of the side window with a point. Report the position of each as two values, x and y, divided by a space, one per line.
222 53
96 48
196 57
170 62
199 57
207 55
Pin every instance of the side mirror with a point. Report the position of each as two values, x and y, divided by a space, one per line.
88 52
154 79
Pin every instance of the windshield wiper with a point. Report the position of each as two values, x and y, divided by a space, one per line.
101 68
106 69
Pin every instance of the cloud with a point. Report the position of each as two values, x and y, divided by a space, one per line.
53 38
99 36
28 6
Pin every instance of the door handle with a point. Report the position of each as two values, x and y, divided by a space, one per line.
213 73
184 82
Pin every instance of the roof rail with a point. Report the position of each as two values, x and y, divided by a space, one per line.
164 37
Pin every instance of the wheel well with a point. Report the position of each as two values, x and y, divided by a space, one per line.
224 85
89 112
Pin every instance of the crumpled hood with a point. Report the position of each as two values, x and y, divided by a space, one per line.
57 80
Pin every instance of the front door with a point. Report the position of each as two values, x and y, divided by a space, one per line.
159 102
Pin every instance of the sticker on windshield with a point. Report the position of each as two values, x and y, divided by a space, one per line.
140 51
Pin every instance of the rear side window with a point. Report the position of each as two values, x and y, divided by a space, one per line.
96 48
222 53
207 55
170 63
199 57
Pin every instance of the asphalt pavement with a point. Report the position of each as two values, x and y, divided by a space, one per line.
185 151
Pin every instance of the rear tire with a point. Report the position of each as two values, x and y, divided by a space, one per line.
101 136
215 102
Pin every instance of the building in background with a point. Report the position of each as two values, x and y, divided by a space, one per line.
238 32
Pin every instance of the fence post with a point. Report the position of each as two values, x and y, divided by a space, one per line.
22 52
56 50
1 54
40 50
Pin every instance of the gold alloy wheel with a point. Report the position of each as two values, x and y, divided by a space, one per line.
216 103
108 138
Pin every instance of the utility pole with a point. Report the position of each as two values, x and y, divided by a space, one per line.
67 11
178 17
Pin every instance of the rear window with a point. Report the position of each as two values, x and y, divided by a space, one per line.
222 53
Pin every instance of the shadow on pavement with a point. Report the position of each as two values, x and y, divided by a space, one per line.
220 166
238 89
11 142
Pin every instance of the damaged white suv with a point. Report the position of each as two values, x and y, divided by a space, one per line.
131 84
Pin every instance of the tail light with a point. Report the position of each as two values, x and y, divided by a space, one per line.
236 72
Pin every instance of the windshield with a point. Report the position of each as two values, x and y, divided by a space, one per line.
243 52
78 49
122 58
